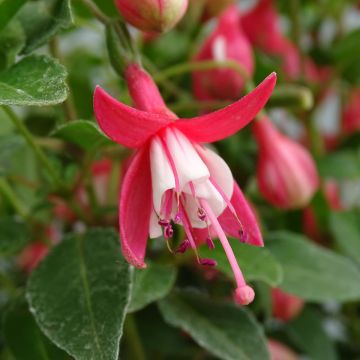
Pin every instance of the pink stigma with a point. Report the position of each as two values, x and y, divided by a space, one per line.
244 295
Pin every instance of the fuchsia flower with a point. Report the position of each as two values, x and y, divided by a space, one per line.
262 26
286 173
351 114
172 178
152 15
285 306
227 42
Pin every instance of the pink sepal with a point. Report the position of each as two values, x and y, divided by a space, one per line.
135 208
225 122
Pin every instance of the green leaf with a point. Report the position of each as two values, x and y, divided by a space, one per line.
223 329
345 227
82 133
8 8
12 40
256 263
307 332
35 80
24 338
42 20
13 236
151 284
312 272
341 165
79 295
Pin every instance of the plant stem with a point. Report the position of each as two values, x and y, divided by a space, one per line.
34 146
13 199
201 66
96 11
133 339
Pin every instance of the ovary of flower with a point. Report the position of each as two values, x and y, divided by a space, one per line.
172 178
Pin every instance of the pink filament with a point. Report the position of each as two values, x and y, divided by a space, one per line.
239 278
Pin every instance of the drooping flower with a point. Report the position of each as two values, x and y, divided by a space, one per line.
279 351
285 306
152 15
226 42
286 173
262 26
351 113
172 178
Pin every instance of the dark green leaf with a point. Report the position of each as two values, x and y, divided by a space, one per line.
82 133
307 332
12 39
13 236
256 263
345 227
312 272
8 8
44 19
35 80
79 295
223 329
151 284
24 338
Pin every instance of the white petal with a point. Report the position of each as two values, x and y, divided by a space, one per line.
154 228
188 163
219 170
162 176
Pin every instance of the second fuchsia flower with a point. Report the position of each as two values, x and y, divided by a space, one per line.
172 178
286 172
226 42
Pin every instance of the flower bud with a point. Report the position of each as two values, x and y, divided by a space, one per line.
152 15
227 42
285 306
286 173
279 351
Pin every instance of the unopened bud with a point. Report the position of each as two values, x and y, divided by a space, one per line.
152 15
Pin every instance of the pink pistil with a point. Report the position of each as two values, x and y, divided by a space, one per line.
244 294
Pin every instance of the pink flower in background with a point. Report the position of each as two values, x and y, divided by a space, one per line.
262 26
279 351
286 172
351 114
33 253
226 42
285 306
152 15
172 178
